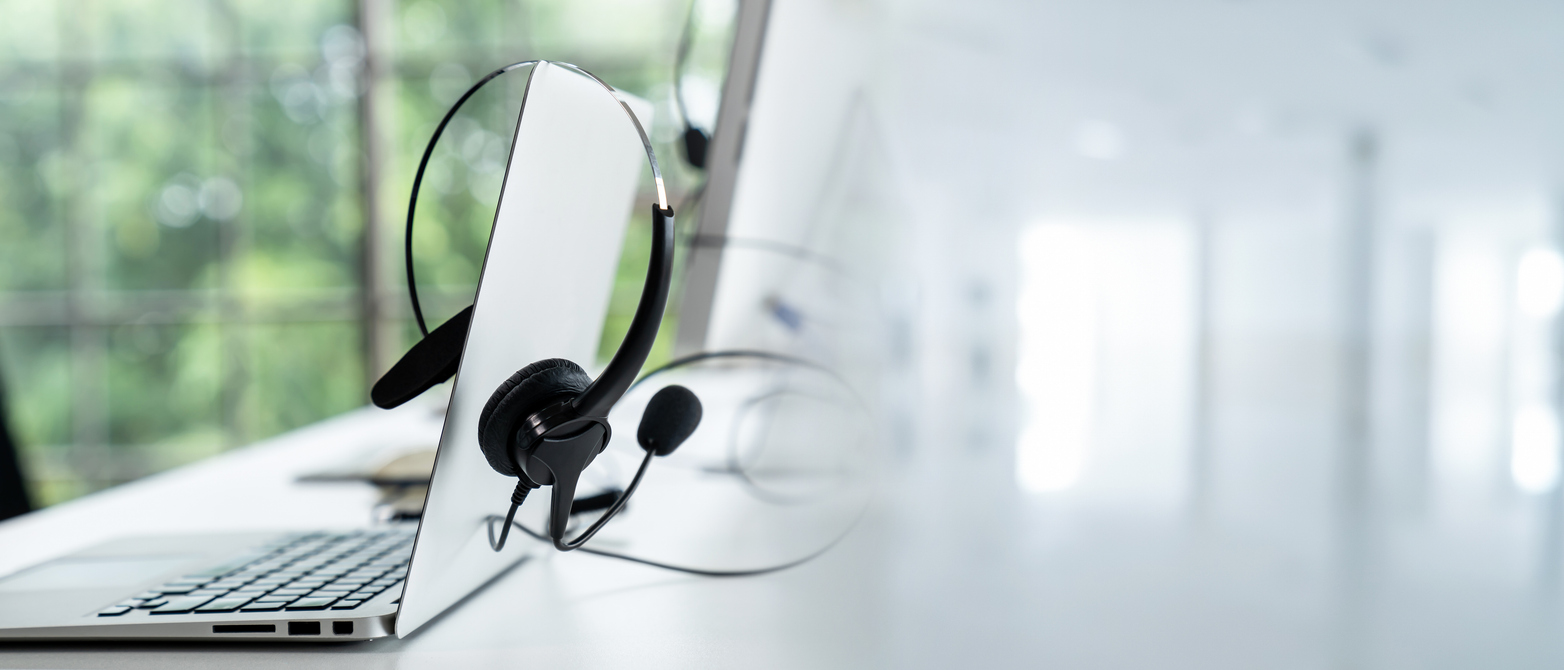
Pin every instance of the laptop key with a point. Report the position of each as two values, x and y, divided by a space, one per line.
223 605
262 607
181 605
151 604
312 603
177 588
114 611
343 604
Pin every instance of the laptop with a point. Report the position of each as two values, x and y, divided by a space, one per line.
571 182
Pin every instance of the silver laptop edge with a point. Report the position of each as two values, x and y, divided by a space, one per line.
57 613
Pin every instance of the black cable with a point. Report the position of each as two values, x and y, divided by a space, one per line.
579 543
418 179
680 568
517 497
571 545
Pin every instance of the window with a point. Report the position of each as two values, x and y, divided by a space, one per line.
201 238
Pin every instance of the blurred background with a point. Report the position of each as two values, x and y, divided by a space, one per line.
201 235
1227 326
1238 330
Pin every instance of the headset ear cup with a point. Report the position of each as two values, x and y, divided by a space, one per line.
695 143
529 390
431 361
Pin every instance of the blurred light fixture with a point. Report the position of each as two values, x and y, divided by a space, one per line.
1534 452
1539 283
1056 365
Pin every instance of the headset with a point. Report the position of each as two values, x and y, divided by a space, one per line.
695 139
549 421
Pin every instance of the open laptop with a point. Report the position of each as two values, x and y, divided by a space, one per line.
572 178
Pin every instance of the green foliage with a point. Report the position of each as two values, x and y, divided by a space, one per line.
182 212
32 255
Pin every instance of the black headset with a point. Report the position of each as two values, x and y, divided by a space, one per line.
548 421
695 139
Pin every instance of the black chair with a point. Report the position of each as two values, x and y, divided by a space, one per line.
13 489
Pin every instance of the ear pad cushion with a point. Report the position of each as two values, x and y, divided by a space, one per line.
432 361
532 388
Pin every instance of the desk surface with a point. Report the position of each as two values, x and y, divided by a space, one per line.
551 611
930 579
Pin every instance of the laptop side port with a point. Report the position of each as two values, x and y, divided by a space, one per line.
304 628
342 627
245 628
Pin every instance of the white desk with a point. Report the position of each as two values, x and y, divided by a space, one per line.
960 572
553 611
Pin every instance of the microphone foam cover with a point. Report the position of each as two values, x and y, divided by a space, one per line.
670 418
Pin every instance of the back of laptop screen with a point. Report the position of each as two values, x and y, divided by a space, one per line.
569 190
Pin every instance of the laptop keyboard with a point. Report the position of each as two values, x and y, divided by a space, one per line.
315 571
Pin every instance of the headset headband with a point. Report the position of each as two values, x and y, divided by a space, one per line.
435 358
423 163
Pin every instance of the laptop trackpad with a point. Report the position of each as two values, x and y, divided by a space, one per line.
91 573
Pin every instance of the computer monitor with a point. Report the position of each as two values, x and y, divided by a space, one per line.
793 114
